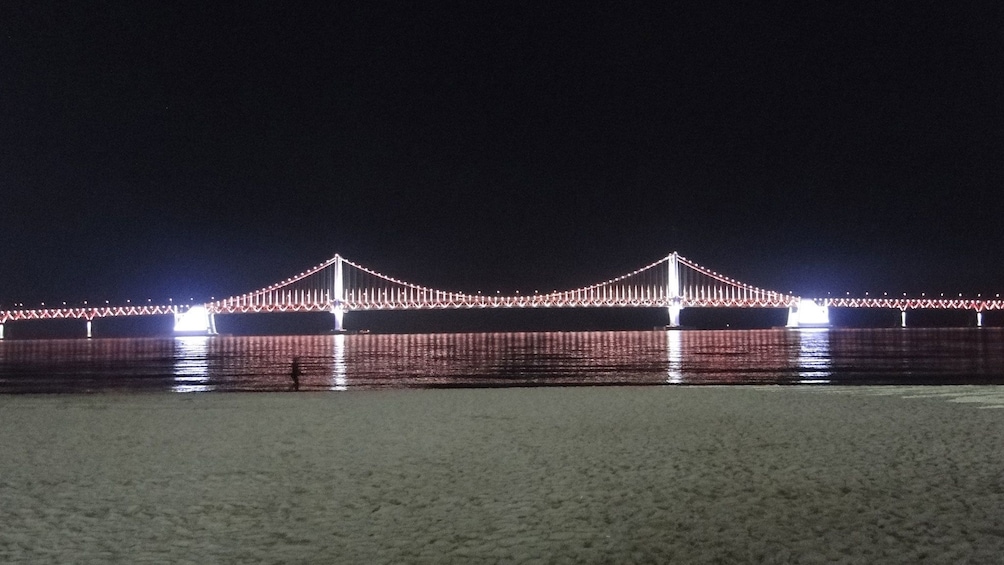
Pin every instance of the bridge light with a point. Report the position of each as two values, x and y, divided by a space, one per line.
106 302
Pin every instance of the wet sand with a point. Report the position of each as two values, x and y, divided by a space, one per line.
592 475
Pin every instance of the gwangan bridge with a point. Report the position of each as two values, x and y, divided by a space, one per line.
339 286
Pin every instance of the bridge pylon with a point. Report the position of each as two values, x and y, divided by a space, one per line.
338 300
673 290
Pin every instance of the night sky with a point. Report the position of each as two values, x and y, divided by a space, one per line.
154 150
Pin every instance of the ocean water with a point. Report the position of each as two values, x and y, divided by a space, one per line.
369 361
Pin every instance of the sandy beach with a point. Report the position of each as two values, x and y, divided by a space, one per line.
546 475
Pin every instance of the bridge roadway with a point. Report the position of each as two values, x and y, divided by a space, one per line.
484 302
339 285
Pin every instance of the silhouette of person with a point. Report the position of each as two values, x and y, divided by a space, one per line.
295 373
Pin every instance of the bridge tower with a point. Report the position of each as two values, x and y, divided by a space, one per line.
673 294
338 300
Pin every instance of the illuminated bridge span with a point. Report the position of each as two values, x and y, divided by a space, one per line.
339 286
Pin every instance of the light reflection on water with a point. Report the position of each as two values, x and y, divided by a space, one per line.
353 362
191 364
339 369
813 355
674 354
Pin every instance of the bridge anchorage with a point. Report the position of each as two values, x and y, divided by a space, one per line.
340 286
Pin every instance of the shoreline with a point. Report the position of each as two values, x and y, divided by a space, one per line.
592 474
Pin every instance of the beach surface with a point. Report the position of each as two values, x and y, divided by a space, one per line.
529 475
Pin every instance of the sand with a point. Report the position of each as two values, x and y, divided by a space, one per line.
547 475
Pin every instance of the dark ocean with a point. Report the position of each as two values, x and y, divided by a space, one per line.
369 361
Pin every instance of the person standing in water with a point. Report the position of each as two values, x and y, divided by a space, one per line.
295 373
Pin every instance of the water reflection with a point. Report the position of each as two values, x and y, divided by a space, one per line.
348 362
674 353
339 368
191 364
814 363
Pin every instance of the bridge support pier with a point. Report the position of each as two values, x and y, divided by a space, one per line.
979 319
1 331
807 314
902 318
674 314
339 313
197 320
89 335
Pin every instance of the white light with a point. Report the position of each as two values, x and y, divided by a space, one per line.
195 320
808 314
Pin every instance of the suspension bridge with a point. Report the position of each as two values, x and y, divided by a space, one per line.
339 285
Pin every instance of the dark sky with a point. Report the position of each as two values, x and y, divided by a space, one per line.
165 149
